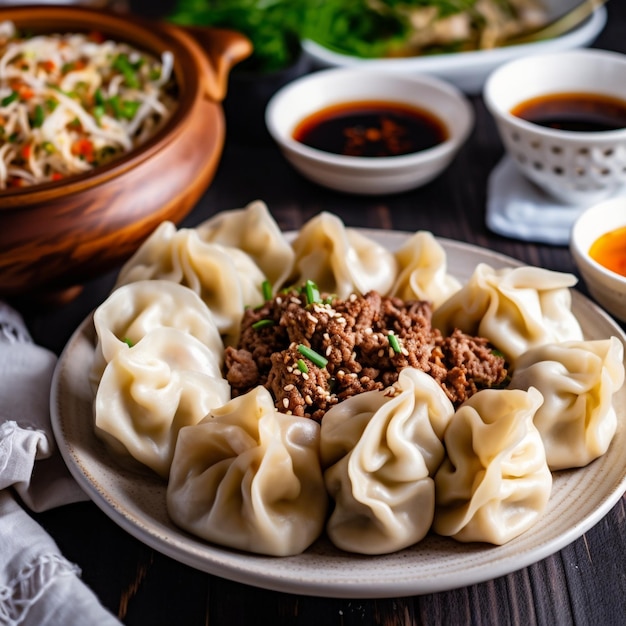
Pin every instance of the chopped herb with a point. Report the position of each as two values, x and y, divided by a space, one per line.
312 292
125 67
394 343
38 117
262 324
128 342
313 356
302 366
12 97
266 287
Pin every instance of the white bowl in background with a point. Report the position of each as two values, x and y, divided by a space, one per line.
608 288
574 167
467 70
368 175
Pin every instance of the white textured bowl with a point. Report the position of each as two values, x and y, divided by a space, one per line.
368 175
574 167
467 70
608 288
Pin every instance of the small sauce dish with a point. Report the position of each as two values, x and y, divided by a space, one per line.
575 146
367 132
590 231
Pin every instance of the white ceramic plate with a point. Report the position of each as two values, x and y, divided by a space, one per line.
136 501
467 70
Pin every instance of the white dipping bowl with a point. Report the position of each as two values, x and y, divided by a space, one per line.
574 167
607 287
368 175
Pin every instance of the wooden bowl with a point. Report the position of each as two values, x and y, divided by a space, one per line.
56 236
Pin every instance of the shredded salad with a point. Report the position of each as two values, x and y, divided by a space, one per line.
71 102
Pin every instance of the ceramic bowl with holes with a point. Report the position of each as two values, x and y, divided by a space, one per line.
56 235
368 175
607 287
574 167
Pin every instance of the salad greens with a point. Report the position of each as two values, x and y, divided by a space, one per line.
364 28
273 26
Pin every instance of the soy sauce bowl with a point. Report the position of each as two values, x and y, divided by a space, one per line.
368 175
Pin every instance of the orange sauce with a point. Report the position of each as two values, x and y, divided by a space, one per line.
610 250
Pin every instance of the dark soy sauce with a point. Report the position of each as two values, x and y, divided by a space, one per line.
581 112
371 129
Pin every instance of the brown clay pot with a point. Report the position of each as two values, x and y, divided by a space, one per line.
55 236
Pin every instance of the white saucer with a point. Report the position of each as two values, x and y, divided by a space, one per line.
519 209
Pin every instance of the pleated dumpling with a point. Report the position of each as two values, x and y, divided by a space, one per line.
253 230
422 271
380 452
341 260
515 308
133 310
578 379
226 278
495 482
147 393
249 477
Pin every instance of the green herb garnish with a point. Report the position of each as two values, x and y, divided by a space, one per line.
313 356
265 323
394 343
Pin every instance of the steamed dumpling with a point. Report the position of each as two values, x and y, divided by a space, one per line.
578 379
226 278
515 308
147 393
249 477
253 230
133 310
495 482
341 260
422 271
380 452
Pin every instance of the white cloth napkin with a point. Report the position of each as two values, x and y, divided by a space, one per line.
519 209
38 586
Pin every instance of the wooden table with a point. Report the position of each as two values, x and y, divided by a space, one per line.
584 583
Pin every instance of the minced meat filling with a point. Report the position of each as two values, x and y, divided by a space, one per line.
358 344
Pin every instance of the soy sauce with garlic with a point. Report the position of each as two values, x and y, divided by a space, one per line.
371 129
580 112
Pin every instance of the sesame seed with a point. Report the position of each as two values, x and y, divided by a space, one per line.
405 352
311 318
286 402
381 353
329 349
305 376
288 387
308 399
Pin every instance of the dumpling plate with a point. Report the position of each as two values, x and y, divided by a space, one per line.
136 500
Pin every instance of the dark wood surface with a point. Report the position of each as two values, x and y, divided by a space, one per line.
584 583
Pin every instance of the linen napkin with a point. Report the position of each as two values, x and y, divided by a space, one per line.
519 209
38 586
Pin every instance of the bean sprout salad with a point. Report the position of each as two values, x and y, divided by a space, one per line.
71 102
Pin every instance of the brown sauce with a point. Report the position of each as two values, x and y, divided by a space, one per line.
582 112
371 129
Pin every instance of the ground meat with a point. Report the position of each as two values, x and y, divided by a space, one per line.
363 343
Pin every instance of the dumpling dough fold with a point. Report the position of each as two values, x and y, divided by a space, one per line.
515 308
380 452
495 482
249 477
341 260
578 380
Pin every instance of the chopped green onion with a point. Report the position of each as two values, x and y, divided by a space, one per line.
313 356
128 342
124 66
48 146
99 97
302 366
394 343
312 292
12 97
262 324
38 117
266 287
